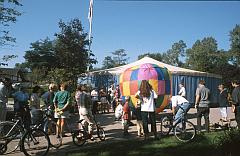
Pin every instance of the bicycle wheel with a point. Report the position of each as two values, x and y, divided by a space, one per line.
3 147
79 138
101 133
166 125
50 129
185 131
11 135
35 142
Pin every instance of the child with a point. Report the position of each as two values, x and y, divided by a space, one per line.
126 116
118 111
139 119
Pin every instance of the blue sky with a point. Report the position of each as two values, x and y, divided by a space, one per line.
136 26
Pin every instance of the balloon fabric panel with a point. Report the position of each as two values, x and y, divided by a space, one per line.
158 77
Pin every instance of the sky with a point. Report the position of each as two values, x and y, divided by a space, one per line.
136 26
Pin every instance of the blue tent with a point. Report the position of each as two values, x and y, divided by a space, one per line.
190 78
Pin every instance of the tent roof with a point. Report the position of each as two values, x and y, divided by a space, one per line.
172 69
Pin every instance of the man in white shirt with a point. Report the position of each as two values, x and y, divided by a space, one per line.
179 101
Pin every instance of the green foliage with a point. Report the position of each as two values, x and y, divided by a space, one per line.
119 58
203 55
228 144
172 56
8 14
235 45
108 62
62 59
7 58
41 55
156 56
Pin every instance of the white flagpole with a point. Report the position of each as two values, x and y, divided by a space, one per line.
90 15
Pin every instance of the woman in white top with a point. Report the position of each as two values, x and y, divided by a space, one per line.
182 91
147 95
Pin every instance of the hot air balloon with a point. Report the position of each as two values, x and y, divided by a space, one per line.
158 77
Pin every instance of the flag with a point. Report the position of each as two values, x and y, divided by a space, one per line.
90 15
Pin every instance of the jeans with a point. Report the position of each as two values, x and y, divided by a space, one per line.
179 115
203 111
3 111
152 119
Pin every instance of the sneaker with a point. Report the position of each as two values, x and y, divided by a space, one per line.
92 138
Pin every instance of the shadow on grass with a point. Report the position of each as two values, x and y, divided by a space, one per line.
164 147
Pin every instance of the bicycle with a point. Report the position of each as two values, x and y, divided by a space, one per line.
49 126
80 136
10 135
184 130
14 135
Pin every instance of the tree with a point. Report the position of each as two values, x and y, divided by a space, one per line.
156 56
41 55
8 14
235 45
71 49
108 62
203 55
172 56
7 58
119 57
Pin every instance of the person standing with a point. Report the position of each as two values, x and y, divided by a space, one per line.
236 101
103 100
147 96
140 132
34 98
49 96
21 108
111 91
35 111
223 101
61 103
126 116
182 91
202 103
4 92
94 95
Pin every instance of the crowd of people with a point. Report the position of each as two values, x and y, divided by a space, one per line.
97 101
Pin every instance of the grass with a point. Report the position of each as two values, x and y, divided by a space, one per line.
168 146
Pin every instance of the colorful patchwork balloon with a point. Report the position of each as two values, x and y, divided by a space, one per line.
158 77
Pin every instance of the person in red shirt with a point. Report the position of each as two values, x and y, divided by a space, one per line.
126 116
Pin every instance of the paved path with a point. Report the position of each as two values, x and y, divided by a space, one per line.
114 132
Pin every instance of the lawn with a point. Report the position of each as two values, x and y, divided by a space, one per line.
168 146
